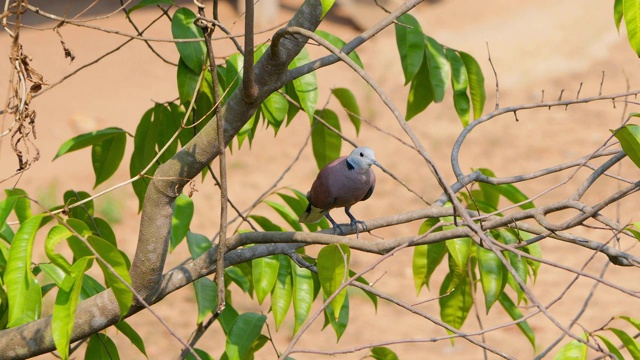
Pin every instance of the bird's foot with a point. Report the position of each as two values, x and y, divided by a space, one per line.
336 226
355 223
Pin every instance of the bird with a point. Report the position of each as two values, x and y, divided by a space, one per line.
342 183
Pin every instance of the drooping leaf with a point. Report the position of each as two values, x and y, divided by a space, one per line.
87 139
183 27
510 307
206 297
460 250
476 83
306 86
339 43
101 347
265 223
118 263
611 347
244 332
167 125
411 45
629 137
265 273
83 212
628 341
491 276
420 92
183 210
275 108
203 355
132 335
326 6
64 310
303 296
326 144
350 104
144 152
460 83
631 9
515 195
617 13
55 235
333 271
106 157
282 290
426 258
198 244
337 320
455 307
22 206
439 68
18 277
285 214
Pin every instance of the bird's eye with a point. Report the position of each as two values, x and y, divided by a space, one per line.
361 155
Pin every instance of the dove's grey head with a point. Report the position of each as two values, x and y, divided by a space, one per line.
362 158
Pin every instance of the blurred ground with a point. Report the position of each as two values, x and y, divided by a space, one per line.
546 45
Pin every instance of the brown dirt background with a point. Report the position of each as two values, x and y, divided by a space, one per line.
539 45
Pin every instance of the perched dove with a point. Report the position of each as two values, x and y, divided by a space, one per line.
342 183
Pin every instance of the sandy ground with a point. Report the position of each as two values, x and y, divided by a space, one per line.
546 45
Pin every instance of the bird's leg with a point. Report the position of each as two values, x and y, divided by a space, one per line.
336 227
355 222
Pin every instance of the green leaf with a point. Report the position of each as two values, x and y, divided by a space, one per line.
6 206
338 321
459 250
265 223
116 260
282 290
203 355
22 206
87 139
371 296
144 3
631 9
106 157
183 27
339 43
53 272
574 350
326 6
510 307
264 272
182 214
455 307
167 125
326 144
132 335
350 105
187 82
286 215
18 278
617 13
383 353
629 137
198 244
632 321
241 275
460 83
244 332
64 310
420 92
333 270
611 347
629 342
294 101
233 74
516 262
306 87
101 347
426 258
476 83
516 196
491 275
302 294
439 68
275 108
411 45
144 152
206 297
55 235
82 212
